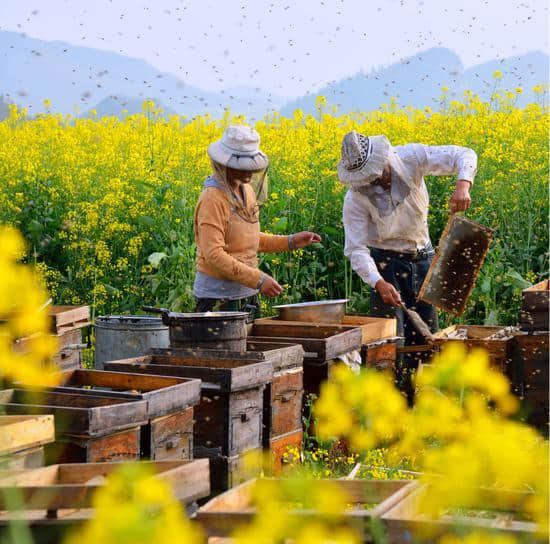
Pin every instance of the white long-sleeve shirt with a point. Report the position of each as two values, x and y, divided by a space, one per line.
405 229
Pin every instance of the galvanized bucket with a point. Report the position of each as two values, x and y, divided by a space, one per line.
124 336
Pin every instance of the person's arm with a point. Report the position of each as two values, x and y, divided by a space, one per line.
355 248
270 243
212 216
441 160
273 243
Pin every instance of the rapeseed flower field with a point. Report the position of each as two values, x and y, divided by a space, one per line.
106 205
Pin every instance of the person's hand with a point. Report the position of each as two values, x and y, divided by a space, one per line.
388 293
305 238
460 201
270 288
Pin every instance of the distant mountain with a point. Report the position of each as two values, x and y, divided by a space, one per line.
523 71
417 81
4 108
120 106
80 78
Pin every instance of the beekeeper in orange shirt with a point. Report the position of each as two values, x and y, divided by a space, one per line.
227 228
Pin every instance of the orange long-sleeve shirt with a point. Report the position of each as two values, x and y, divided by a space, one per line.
227 244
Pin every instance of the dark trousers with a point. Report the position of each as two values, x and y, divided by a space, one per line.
406 273
249 304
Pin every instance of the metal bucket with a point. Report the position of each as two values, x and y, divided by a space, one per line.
124 336
209 330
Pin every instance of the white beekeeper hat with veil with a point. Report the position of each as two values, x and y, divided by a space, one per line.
239 148
363 161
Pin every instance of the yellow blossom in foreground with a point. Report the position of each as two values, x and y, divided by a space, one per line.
135 507
26 346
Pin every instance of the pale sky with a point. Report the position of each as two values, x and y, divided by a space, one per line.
287 47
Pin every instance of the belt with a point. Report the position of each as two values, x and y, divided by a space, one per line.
418 255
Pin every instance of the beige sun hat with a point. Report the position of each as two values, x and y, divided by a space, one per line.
363 159
239 148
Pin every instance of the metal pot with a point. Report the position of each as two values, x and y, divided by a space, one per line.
207 330
322 311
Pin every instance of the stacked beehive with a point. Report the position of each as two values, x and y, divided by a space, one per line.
229 417
529 354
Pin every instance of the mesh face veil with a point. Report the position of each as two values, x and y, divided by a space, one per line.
258 183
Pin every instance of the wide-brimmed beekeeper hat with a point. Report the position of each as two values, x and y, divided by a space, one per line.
239 148
363 159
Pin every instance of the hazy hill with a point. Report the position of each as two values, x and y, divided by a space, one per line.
77 79
80 77
417 81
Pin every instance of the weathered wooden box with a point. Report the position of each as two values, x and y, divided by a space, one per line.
534 307
68 318
494 511
321 343
168 435
282 412
88 428
234 508
530 376
22 439
372 328
58 497
228 418
476 337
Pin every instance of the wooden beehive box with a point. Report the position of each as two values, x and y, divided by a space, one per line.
321 343
168 435
229 416
68 318
476 337
22 440
495 511
234 508
88 428
58 497
529 375
372 328
282 417
534 307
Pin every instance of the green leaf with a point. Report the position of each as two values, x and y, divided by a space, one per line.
280 225
486 285
492 318
110 289
156 258
146 220
516 280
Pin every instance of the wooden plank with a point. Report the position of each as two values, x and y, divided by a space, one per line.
372 328
405 516
278 354
278 447
245 421
24 432
164 395
477 338
24 459
80 414
224 513
320 340
122 445
171 437
534 307
73 486
240 377
67 318
283 404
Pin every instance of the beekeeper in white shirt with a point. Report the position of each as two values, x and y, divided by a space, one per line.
386 223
